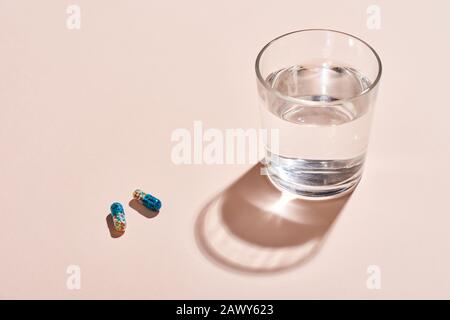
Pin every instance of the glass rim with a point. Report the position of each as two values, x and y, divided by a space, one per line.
308 102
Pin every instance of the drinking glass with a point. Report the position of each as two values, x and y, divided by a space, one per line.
317 90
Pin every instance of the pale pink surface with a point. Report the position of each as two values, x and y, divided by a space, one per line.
86 117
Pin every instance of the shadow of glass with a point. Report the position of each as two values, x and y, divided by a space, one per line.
253 227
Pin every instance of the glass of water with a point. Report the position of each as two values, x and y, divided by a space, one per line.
317 90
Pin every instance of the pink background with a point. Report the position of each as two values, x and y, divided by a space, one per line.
86 117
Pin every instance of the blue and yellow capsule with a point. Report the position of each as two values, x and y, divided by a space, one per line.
147 200
118 216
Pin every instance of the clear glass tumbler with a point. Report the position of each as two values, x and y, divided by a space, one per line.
317 88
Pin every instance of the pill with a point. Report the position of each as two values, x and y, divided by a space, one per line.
118 216
146 199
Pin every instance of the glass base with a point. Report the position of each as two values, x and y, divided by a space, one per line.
315 179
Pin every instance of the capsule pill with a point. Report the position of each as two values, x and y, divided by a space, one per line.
146 199
118 216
